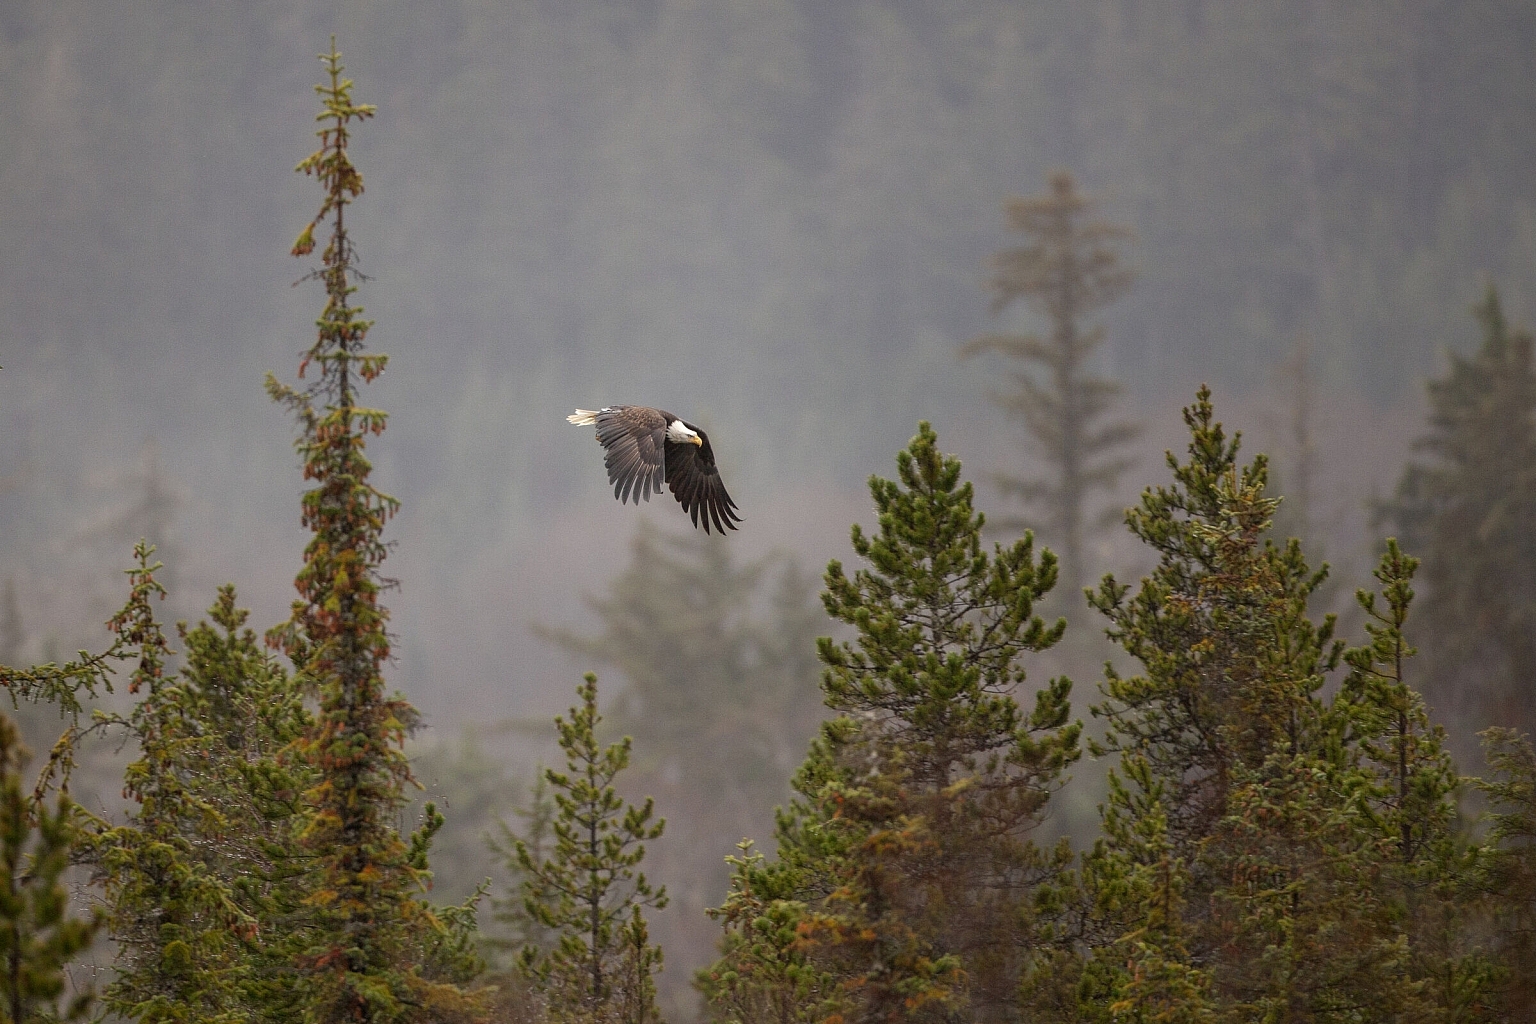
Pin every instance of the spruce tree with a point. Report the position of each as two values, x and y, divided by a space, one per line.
38 934
367 919
588 890
1425 868
1223 737
175 920
1230 660
1068 269
1510 870
1268 854
719 693
1470 512
907 858
203 880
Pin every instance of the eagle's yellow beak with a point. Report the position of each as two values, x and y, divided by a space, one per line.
696 439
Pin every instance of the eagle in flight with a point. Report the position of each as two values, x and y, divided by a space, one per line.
644 448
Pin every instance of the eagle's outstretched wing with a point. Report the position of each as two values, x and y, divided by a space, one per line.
644 448
695 481
634 442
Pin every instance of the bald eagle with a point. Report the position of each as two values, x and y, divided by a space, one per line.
645 448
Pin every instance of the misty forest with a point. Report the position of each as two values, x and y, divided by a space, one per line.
1130 409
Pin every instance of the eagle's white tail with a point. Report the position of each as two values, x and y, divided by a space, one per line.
583 417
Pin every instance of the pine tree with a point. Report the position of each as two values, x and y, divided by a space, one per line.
203 881
588 891
1225 734
720 695
1067 271
1231 662
367 917
1425 869
909 847
38 935
1511 867
1471 513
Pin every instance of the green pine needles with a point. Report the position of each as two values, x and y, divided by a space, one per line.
588 891
941 627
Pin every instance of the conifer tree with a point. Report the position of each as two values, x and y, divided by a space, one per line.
1067 271
765 973
1425 869
588 891
701 655
177 923
907 857
720 695
1231 662
203 881
1161 984
1511 868
1223 738
1471 513
1301 927
38 935
366 917
1312 844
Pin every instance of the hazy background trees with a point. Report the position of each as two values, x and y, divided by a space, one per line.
1068 268
774 217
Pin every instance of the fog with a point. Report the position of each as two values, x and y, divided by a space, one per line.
771 217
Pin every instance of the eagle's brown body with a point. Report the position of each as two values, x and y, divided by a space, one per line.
645 448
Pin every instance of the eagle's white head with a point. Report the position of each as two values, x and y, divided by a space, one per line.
678 432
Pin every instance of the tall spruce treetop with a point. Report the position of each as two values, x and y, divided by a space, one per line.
1068 270
1471 514
366 913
